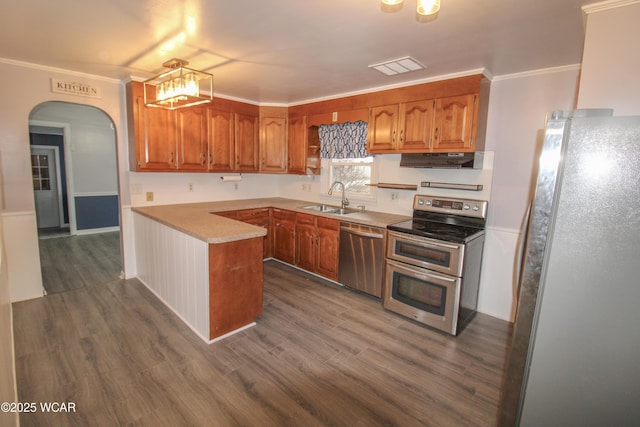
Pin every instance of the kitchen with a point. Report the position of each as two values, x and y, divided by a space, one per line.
518 106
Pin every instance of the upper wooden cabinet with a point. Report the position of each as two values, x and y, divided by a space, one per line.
297 146
444 124
273 144
152 134
455 123
221 147
404 128
192 132
383 129
247 147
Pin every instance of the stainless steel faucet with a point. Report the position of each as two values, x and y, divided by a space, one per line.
345 201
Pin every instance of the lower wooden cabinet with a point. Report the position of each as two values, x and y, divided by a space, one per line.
284 235
235 285
317 244
307 241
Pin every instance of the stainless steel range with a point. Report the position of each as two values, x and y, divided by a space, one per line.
432 267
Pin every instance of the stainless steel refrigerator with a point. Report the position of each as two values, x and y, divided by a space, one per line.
575 356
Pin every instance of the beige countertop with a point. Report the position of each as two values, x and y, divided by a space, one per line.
199 220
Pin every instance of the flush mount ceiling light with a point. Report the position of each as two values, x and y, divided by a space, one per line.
398 66
423 7
179 87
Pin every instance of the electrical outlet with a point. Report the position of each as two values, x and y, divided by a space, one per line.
394 196
191 187
149 196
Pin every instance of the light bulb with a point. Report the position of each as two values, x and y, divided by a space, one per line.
427 7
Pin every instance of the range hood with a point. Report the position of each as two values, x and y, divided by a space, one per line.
442 160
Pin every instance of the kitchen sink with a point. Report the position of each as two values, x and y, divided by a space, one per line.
336 210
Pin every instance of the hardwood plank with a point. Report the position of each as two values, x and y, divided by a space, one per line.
319 355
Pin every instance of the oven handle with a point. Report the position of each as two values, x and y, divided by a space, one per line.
421 240
419 272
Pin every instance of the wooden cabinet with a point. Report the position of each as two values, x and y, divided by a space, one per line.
317 244
235 285
306 242
415 125
247 147
152 134
273 144
440 125
284 229
328 247
383 129
192 132
262 218
221 147
297 146
455 123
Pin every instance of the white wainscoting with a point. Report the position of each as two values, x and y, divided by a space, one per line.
498 296
23 256
175 267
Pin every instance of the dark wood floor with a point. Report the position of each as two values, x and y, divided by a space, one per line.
319 355
74 262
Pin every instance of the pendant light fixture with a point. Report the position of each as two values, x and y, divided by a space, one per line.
423 7
179 87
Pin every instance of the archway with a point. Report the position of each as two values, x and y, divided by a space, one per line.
75 180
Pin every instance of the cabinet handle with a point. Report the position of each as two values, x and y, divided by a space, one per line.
171 158
393 137
210 159
402 135
435 134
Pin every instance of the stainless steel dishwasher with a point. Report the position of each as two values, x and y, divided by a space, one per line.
361 257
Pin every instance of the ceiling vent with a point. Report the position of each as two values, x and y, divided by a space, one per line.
398 66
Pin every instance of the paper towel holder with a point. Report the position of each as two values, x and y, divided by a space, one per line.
231 178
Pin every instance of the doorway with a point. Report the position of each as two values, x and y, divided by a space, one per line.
75 186
49 191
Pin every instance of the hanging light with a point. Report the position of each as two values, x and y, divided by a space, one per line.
179 87
427 7
423 7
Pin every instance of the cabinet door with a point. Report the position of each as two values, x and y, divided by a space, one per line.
273 144
454 117
297 146
306 241
328 232
152 133
246 143
306 246
222 152
383 128
284 235
192 138
415 124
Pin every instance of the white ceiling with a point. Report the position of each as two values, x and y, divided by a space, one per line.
288 51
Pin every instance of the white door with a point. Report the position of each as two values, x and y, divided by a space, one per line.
45 186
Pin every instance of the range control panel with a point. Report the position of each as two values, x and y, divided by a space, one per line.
446 205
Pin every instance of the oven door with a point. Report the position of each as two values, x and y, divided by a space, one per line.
428 297
445 257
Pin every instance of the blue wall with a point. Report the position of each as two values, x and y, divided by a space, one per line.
96 212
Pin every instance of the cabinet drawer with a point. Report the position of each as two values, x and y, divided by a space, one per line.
253 213
284 214
305 219
331 224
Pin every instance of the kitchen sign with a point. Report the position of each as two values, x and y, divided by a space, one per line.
74 88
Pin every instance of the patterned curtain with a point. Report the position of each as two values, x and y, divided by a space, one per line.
343 141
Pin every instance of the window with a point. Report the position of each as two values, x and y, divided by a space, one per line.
355 174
